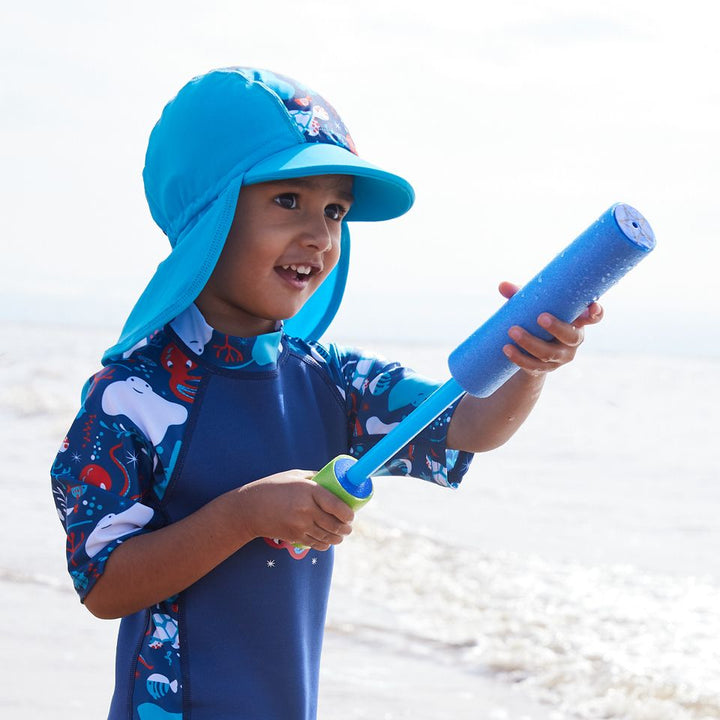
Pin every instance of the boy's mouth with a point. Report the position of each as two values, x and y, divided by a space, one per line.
297 275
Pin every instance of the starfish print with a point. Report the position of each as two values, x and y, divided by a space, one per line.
271 563
75 457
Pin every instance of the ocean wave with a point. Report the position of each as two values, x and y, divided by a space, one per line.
594 642
17 577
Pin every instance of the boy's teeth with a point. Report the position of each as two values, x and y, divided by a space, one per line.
302 269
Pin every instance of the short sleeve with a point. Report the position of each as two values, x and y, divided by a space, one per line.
102 481
379 395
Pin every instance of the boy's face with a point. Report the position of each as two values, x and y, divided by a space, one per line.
284 241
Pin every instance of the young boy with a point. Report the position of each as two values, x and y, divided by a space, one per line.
185 483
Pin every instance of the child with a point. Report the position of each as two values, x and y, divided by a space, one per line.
185 483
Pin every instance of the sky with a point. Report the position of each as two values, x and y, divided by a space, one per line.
518 124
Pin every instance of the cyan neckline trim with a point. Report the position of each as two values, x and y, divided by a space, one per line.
259 353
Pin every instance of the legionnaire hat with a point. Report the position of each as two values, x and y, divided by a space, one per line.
233 127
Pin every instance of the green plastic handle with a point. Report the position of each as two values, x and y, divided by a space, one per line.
330 477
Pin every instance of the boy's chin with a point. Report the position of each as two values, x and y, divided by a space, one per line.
291 313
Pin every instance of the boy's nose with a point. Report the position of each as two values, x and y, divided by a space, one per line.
317 234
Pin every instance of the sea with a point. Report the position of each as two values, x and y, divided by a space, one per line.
574 574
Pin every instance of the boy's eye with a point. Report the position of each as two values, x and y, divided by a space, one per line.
335 212
287 200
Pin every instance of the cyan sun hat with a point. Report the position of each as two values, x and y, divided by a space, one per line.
240 126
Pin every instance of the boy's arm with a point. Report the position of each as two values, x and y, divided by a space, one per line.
481 424
148 568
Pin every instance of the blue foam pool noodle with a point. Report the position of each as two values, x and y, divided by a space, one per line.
580 274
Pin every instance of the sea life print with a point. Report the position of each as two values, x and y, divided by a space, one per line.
166 631
183 384
116 525
159 685
136 399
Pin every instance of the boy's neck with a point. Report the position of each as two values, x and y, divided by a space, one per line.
234 321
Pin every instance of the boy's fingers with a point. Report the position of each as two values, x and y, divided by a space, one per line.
538 349
321 535
333 505
567 334
320 539
508 289
593 314
330 525
529 363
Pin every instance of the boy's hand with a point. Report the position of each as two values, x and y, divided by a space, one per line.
482 424
288 506
291 506
543 356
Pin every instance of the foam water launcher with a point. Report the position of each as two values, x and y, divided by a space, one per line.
588 267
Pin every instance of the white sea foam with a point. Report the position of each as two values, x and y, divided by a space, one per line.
597 642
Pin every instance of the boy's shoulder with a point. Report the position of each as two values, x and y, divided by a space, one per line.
149 368
325 354
330 354
327 358
344 363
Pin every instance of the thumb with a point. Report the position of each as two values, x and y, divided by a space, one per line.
508 289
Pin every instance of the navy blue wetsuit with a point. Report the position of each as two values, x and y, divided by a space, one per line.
185 417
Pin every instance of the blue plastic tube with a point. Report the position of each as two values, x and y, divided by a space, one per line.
403 433
580 274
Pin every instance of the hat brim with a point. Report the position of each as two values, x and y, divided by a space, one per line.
379 195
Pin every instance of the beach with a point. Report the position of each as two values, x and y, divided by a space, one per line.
574 574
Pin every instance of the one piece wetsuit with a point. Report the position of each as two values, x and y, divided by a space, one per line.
187 416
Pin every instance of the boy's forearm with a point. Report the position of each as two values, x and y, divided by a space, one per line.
482 424
151 567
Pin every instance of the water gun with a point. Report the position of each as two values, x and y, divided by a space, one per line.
575 278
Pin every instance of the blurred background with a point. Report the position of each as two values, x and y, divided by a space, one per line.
518 124
576 573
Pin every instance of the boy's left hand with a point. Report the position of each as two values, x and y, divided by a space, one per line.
543 356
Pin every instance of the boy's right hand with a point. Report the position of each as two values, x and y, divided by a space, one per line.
151 566
290 506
